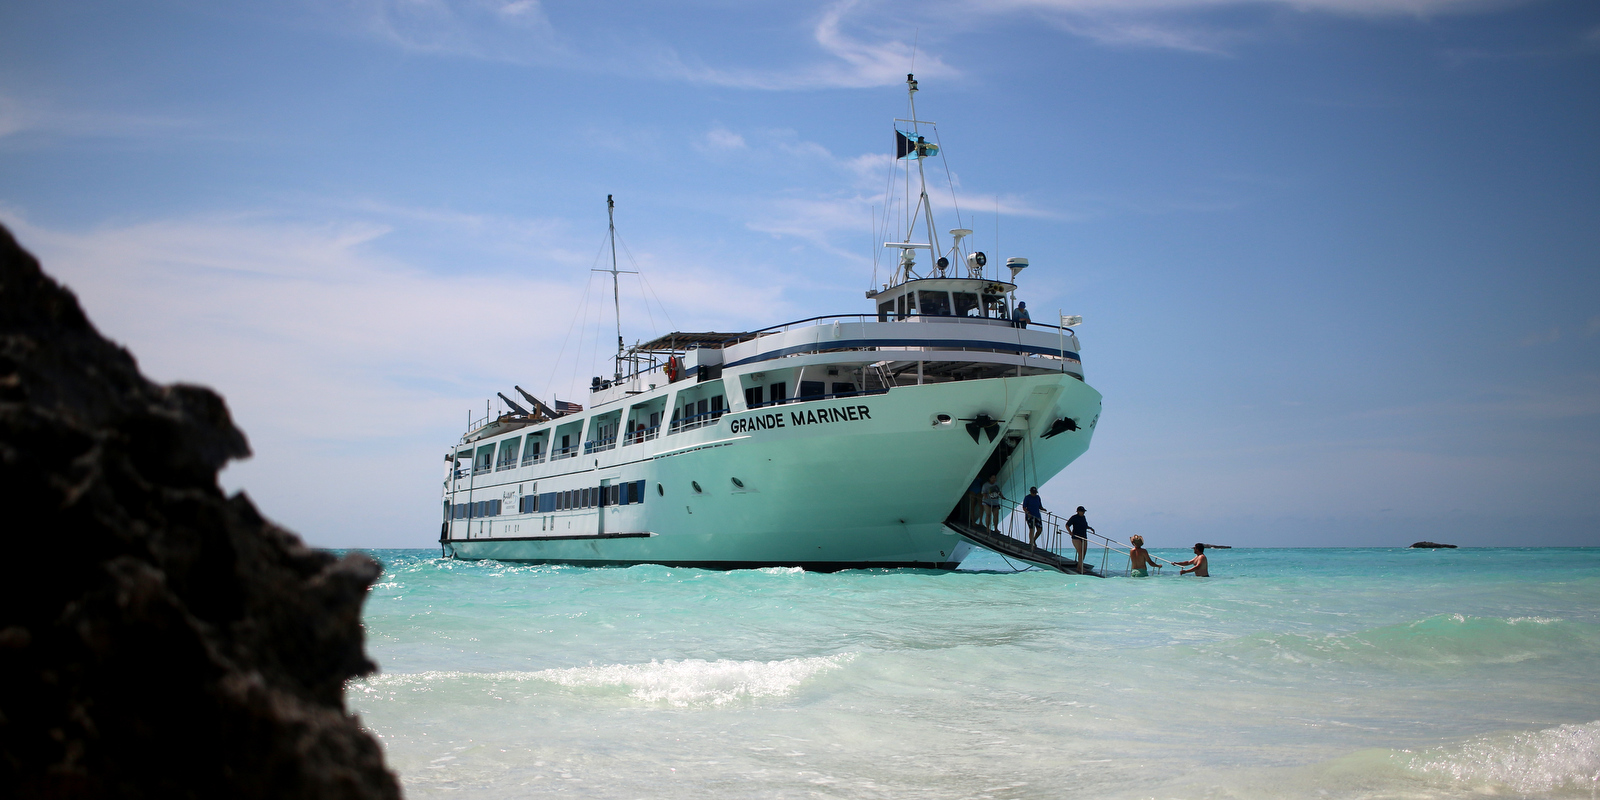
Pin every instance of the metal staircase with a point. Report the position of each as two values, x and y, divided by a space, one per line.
1017 549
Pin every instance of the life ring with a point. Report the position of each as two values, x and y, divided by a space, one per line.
674 368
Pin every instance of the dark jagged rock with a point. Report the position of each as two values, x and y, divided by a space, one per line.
157 638
1433 546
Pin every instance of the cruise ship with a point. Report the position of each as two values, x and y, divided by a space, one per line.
841 441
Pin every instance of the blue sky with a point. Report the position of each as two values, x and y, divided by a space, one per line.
1339 260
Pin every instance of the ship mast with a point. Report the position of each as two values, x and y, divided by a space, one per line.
922 177
918 149
616 301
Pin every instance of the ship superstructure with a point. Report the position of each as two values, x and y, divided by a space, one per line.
839 441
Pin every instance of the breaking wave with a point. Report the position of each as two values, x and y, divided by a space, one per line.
1555 761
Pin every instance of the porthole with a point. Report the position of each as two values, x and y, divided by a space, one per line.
738 483
660 492
696 485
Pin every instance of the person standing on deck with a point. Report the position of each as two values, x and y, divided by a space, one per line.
991 504
1020 316
1031 506
1078 526
1197 565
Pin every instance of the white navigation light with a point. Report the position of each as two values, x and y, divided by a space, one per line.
1016 264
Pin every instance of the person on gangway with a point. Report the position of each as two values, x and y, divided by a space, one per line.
1078 526
1032 506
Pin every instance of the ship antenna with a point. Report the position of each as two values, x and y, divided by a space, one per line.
616 301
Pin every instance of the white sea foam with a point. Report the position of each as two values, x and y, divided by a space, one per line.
698 682
690 682
1531 763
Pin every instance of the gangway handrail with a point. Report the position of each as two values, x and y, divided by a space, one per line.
1053 525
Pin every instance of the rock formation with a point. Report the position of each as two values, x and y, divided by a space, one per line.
157 638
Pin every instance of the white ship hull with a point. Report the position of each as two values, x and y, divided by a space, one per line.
868 491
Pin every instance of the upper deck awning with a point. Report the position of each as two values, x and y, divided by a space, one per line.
679 340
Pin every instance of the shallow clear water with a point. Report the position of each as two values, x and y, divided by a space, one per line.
1294 672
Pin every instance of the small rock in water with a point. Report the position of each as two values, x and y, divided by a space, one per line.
1434 545
157 638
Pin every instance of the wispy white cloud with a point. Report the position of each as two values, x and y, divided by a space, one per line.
516 31
22 116
720 138
851 60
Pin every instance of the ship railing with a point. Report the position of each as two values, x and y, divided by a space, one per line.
564 452
532 459
642 434
600 445
482 470
505 465
694 421
828 319
1055 537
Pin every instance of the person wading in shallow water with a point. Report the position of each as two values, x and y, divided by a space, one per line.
1140 558
1078 526
1197 565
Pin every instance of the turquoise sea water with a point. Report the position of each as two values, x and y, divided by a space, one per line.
1291 673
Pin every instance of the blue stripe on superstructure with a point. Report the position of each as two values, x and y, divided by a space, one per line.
847 344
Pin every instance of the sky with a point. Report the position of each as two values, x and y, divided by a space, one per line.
1338 260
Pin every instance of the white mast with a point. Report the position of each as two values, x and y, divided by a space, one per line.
919 149
922 178
616 302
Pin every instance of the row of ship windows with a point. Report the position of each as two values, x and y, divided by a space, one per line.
620 494
692 414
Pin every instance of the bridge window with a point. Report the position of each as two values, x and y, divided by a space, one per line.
885 311
967 304
810 390
777 393
843 388
752 397
935 304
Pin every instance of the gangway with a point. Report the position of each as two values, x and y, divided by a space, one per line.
1018 550
1052 550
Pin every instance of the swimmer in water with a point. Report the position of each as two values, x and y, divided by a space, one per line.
1141 558
1197 565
